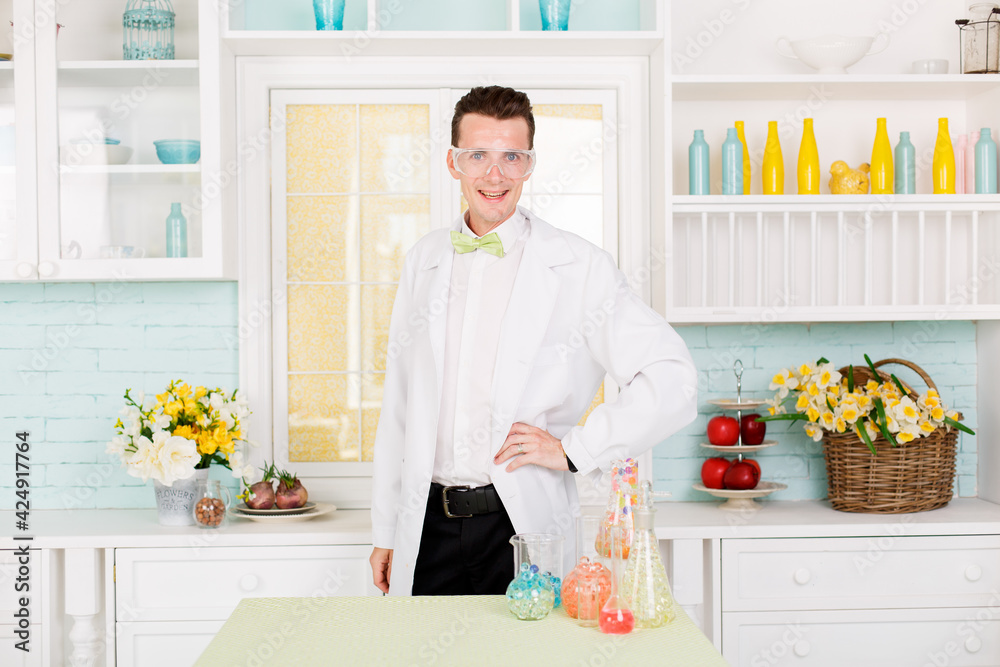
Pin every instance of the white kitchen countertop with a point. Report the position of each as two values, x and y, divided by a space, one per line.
105 528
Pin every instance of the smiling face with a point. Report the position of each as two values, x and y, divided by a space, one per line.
492 198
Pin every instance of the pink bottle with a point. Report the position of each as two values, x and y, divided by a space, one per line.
970 163
960 170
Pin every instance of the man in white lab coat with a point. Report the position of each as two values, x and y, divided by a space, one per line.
502 330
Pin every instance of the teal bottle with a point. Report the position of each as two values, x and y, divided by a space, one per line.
177 236
732 163
698 171
986 164
906 166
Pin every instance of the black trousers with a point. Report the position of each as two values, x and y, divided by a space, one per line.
467 556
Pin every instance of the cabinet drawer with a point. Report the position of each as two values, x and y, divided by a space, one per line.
883 638
164 643
860 573
206 584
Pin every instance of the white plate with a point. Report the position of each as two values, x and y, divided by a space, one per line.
731 404
742 500
274 511
736 449
318 510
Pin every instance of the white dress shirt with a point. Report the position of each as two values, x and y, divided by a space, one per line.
481 284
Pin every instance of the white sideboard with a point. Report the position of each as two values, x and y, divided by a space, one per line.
792 583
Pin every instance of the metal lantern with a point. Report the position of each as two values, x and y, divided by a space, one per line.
979 39
148 27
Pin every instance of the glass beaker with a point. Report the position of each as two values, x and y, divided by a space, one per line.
538 564
212 502
981 40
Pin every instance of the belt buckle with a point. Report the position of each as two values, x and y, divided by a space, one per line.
444 501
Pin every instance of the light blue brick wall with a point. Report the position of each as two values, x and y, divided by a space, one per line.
946 350
67 354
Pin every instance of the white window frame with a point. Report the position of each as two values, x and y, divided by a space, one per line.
257 77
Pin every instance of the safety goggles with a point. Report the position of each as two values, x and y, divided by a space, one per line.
477 162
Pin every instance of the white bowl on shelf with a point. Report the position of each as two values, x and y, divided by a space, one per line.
90 154
832 54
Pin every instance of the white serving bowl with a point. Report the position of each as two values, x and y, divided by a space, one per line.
78 154
832 54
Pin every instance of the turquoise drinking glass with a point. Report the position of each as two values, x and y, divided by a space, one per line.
329 14
555 14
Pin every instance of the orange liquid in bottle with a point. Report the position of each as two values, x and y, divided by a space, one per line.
617 621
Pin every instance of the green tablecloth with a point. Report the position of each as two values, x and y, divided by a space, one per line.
463 630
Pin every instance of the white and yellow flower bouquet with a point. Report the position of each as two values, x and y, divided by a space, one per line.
831 402
183 430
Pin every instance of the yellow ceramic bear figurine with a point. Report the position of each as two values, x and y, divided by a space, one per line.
847 181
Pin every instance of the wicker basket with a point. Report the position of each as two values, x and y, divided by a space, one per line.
913 477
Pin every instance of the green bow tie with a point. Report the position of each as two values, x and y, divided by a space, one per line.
464 243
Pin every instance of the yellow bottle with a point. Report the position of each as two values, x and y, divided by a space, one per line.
808 160
746 157
944 161
773 172
882 176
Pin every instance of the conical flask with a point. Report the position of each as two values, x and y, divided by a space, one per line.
616 618
644 584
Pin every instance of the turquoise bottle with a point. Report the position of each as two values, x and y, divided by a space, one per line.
906 166
698 171
177 243
986 164
732 163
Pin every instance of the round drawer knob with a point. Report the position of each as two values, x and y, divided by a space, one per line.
973 644
973 573
248 582
46 268
802 576
24 270
801 648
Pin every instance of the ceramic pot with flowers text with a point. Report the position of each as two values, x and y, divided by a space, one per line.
176 438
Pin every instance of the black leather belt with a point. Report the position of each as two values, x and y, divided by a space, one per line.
461 502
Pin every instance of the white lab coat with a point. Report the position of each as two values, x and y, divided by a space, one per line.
571 318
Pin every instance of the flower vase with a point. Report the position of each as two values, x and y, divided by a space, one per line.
329 14
555 14
175 503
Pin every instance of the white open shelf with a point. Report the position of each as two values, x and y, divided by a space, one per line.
708 88
131 169
441 43
119 73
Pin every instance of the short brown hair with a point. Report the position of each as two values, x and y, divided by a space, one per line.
494 102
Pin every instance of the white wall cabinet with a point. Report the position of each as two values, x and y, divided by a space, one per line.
83 212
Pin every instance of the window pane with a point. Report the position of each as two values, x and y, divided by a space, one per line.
371 404
390 226
320 235
395 148
580 214
323 417
319 331
322 151
569 144
376 309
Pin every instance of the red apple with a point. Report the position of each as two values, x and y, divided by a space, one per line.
741 476
752 431
723 431
755 465
712 471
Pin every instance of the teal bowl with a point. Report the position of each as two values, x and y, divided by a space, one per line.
178 151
